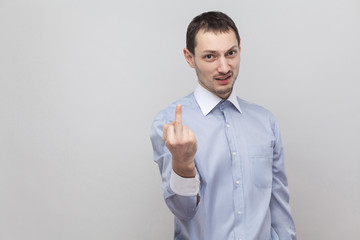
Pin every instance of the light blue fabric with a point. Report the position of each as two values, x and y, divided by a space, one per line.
243 190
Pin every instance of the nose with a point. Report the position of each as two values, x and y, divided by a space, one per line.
224 66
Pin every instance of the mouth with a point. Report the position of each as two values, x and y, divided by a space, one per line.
223 79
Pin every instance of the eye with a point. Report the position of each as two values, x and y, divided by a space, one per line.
209 57
232 53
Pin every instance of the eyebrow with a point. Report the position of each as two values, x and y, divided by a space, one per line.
213 51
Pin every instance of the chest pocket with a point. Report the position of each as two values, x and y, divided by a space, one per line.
261 159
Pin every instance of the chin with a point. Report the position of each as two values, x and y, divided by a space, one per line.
226 91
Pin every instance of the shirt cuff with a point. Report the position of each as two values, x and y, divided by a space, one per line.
184 186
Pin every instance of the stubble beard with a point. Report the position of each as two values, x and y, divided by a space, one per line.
222 93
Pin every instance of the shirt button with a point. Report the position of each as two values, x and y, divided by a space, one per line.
237 182
234 153
227 125
239 212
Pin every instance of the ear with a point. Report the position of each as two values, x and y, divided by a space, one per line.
239 46
189 57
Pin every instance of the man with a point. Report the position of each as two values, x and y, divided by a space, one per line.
220 157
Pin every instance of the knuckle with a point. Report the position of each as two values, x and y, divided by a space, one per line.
180 142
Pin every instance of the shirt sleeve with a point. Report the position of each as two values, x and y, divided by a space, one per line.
282 222
184 186
183 201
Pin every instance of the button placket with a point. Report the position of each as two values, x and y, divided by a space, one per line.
235 162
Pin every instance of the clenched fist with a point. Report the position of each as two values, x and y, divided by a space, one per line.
181 142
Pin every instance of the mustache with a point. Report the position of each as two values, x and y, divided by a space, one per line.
224 74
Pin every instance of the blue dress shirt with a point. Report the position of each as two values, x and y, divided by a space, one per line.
243 186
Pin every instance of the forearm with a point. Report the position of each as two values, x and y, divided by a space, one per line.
281 219
183 207
182 196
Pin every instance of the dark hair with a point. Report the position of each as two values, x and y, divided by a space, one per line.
209 21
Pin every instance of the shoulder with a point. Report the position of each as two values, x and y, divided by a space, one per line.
260 115
255 110
167 114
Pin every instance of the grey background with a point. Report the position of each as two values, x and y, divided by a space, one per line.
80 83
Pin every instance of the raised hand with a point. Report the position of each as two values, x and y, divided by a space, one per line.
181 142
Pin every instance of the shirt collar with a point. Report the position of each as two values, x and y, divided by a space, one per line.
207 100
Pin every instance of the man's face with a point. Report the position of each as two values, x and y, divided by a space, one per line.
216 60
